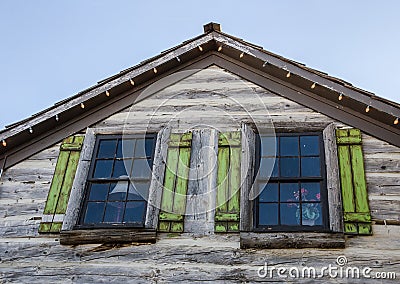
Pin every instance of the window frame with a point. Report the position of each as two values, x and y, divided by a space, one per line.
333 237
322 180
90 179
73 234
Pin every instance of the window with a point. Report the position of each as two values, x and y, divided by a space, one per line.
118 181
292 184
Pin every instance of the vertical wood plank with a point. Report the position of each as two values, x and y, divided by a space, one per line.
234 177
182 181
333 179
78 186
346 178
222 179
170 177
157 179
247 173
68 181
360 187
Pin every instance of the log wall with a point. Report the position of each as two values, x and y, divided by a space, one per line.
214 99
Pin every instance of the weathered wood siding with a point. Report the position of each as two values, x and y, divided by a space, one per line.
26 256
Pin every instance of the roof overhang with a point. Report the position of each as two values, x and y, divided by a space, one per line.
305 86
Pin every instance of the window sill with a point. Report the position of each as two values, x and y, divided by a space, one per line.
291 240
95 236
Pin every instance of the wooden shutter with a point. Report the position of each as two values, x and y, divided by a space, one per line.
357 217
173 201
60 189
228 183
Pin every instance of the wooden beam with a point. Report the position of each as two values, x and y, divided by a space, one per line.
79 237
291 240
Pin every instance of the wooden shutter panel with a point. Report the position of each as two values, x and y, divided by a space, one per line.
60 189
228 183
173 201
357 217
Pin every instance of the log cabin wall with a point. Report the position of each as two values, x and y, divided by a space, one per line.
27 256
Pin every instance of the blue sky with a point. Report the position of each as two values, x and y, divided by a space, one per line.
51 50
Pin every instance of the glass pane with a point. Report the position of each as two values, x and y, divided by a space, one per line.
103 169
311 214
114 212
138 190
94 212
289 167
144 148
125 148
269 192
290 214
141 169
289 146
266 166
134 211
268 146
310 167
289 192
268 214
310 191
98 191
106 148
122 168
309 145
118 190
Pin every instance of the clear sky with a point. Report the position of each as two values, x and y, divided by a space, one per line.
50 50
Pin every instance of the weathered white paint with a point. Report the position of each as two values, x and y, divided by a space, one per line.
29 257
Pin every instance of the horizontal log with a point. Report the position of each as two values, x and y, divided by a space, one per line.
77 237
291 240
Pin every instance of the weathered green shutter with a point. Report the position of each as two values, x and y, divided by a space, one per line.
173 202
357 217
228 183
60 189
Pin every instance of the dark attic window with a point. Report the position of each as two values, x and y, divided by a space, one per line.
294 198
118 182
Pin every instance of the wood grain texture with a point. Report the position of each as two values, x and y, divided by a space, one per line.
103 236
291 240
199 216
333 179
27 257
157 179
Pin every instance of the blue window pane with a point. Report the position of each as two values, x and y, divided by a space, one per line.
289 167
290 214
289 192
125 148
310 167
289 146
309 145
98 191
269 192
310 191
141 169
114 212
268 167
268 214
268 146
118 190
138 190
103 169
107 148
144 148
122 168
134 212
94 212
311 214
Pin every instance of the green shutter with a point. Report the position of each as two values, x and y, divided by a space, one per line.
228 183
176 179
357 217
60 189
